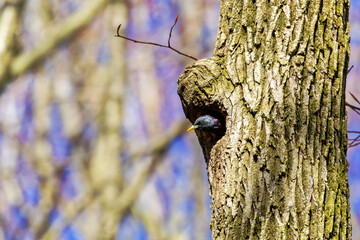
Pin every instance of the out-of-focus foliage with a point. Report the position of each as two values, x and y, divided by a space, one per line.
91 141
353 86
91 127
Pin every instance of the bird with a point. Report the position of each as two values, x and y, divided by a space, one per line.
206 123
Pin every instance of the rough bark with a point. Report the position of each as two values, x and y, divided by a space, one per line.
277 80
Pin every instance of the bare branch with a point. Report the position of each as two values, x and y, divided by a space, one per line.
354 108
156 44
354 98
354 132
354 142
137 41
171 29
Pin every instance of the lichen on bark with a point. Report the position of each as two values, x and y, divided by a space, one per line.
277 78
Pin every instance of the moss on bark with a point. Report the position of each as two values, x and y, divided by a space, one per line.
278 78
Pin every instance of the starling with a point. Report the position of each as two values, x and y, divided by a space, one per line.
206 123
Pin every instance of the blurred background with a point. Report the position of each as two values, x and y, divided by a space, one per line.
92 133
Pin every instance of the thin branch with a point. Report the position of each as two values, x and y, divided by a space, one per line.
171 29
156 44
351 106
352 66
137 41
354 98
354 142
354 108
354 132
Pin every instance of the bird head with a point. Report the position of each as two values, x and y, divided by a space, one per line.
206 123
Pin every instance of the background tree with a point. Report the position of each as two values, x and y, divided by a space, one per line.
89 143
277 79
86 118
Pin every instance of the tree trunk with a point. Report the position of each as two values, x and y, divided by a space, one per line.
277 80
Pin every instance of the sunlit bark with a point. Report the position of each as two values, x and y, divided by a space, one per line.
278 78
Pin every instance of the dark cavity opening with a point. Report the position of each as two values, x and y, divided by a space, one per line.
218 133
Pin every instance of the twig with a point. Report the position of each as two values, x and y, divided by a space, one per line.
354 132
350 69
354 145
354 108
354 142
171 29
156 44
354 98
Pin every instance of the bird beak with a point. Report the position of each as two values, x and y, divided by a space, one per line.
191 128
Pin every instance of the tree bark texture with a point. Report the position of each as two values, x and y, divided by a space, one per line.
277 81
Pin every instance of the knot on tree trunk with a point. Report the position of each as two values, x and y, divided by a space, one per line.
201 90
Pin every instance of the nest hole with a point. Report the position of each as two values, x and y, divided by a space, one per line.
220 115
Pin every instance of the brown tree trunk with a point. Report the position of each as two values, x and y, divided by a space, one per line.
277 80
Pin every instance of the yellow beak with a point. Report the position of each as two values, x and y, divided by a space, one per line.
191 128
